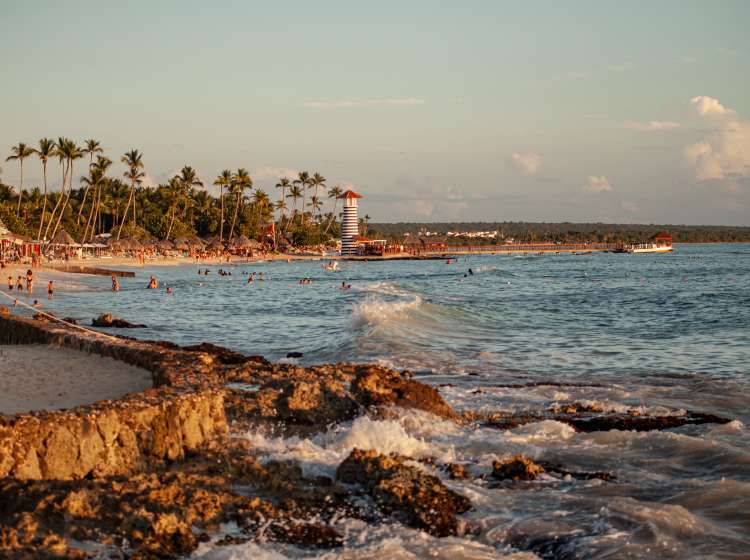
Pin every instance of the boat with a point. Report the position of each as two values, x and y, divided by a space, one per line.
333 266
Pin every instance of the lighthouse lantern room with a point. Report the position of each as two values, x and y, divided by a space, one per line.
349 224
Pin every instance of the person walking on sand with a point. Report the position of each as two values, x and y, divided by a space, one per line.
50 290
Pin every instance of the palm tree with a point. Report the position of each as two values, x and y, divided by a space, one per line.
60 153
295 193
283 184
175 190
101 165
134 160
45 150
71 152
240 182
315 205
185 181
92 147
334 192
303 180
317 181
20 152
223 180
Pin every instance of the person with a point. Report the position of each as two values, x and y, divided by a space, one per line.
29 281
36 304
153 284
471 272
260 277
10 283
50 290
250 279
115 284
19 283
169 290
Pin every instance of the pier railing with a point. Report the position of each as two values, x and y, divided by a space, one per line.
515 248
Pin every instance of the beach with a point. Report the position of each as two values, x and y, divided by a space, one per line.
38 377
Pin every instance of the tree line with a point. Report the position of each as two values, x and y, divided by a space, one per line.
123 206
565 232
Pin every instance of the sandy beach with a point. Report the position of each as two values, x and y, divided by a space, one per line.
38 377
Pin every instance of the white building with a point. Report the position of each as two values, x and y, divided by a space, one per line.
350 223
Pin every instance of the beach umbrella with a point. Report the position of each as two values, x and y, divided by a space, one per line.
216 245
165 245
62 237
181 244
242 242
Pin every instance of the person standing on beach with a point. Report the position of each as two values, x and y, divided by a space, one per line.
19 284
29 281
50 290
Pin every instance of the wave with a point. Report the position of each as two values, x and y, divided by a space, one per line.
374 310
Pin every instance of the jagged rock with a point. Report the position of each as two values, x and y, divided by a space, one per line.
225 355
516 468
576 408
375 386
405 492
294 354
456 471
315 402
106 320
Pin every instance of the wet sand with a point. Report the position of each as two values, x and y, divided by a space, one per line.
39 377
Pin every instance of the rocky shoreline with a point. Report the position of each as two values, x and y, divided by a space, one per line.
155 473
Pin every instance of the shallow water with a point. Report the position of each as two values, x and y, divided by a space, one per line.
660 332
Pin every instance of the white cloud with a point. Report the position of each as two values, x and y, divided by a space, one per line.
619 68
579 75
709 106
528 162
651 125
355 103
265 173
596 184
724 155
149 182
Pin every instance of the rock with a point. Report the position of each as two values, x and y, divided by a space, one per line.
407 493
576 408
316 402
225 355
106 320
456 471
376 386
516 468
4 310
294 354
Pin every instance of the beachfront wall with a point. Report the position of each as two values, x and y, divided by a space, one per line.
349 224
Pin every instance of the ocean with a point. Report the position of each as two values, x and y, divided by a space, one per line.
656 333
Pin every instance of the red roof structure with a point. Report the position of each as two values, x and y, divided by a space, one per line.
351 194
662 236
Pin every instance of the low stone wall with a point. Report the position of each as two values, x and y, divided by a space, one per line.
183 412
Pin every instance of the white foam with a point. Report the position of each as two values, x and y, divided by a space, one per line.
374 310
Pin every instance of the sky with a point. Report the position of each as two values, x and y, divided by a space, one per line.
632 112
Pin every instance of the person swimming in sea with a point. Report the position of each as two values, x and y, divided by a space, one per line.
153 284
115 284
169 290
250 279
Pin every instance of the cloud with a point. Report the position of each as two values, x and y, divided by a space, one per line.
579 75
651 126
619 68
356 103
709 106
688 59
597 184
724 155
273 173
528 162
149 181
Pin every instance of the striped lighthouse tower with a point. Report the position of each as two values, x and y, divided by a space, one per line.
350 223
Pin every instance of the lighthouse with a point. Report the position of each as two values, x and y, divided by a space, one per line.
350 223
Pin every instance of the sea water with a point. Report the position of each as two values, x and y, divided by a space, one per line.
662 333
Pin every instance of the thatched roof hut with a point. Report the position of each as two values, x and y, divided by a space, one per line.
242 242
216 245
62 237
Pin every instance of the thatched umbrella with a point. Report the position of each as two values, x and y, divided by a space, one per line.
197 242
135 244
242 242
216 245
62 237
165 245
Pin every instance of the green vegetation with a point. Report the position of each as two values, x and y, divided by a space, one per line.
125 207
564 232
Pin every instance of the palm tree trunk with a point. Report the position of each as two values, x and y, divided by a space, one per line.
234 218
91 214
221 221
20 191
59 199
80 210
67 199
44 208
125 213
171 222
333 216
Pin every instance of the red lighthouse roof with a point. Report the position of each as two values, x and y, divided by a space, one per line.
351 194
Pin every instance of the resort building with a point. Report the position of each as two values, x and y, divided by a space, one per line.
350 223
